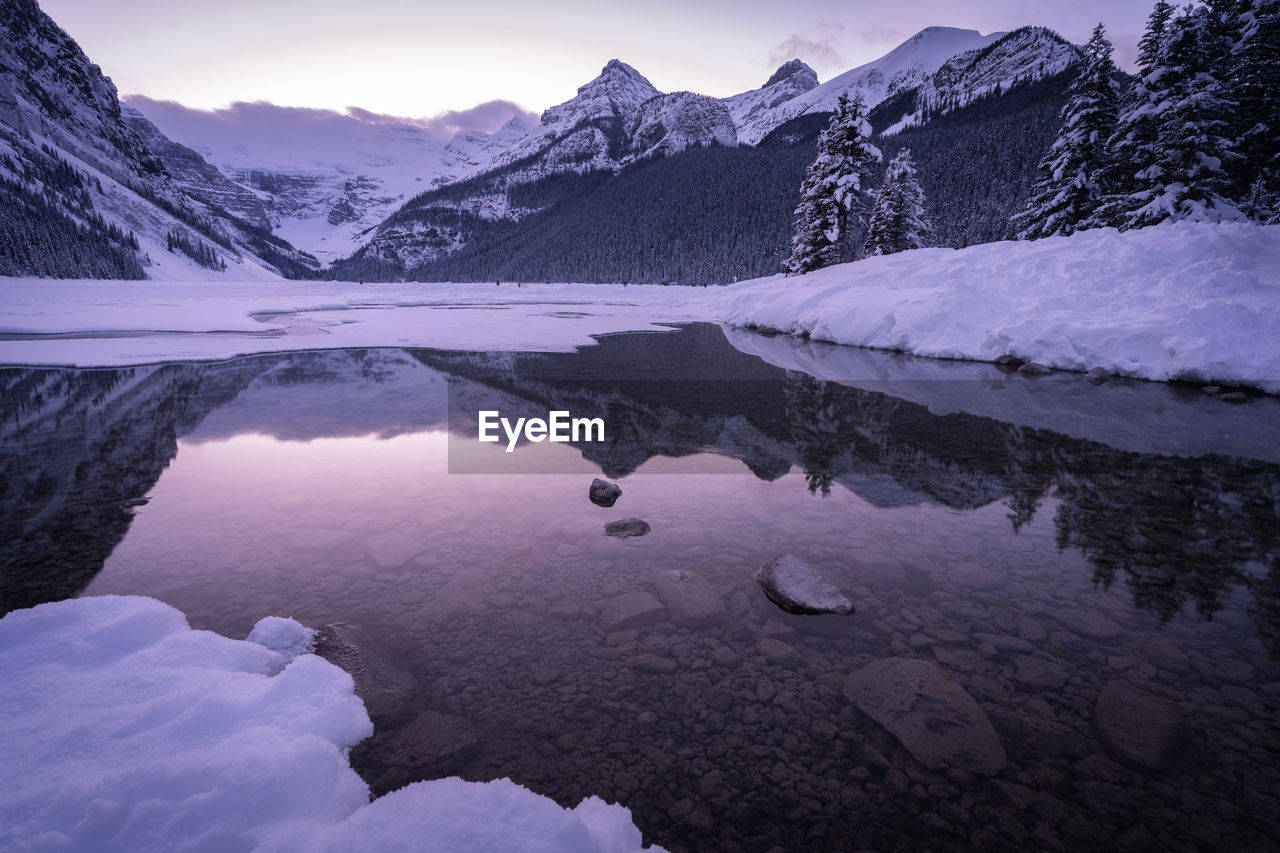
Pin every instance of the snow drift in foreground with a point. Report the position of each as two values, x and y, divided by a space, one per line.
1177 301
124 729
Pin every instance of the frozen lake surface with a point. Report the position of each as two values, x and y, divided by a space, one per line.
1095 568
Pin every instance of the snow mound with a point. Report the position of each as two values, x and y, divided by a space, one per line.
124 729
284 636
1182 300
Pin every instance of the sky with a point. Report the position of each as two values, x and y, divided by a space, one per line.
430 59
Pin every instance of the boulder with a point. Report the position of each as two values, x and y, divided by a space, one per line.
626 528
797 587
1137 729
689 599
603 493
930 714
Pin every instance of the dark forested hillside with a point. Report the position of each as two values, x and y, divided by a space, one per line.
715 215
977 164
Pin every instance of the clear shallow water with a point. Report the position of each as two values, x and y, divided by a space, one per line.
1033 568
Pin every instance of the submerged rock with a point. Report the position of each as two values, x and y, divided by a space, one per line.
1236 397
631 610
931 715
689 599
1137 729
603 493
1098 375
626 528
385 687
797 587
430 746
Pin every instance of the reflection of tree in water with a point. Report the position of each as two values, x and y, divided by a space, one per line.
1177 531
826 420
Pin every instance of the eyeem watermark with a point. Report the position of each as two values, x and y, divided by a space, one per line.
559 426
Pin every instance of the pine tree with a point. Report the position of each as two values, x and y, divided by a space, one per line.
833 199
898 221
1187 175
1256 91
1134 143
1074 169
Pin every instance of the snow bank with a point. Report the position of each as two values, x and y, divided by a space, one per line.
1177 301
123 729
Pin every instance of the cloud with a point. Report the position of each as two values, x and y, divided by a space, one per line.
818 52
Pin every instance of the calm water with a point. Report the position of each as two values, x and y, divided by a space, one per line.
1046 547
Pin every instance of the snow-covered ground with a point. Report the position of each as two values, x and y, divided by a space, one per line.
1177 301
98 323
124 729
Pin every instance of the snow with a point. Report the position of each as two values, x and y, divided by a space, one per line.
286 637
124 729
1182 300
101 323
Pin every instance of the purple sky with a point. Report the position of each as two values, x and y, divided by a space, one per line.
424 59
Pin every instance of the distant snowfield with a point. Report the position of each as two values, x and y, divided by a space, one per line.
1177 301
126 730
113 323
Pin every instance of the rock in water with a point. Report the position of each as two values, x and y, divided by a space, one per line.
386 688
1034 368
1097 376
630 610
626 528
1137 729
796 587
603 493
931 715
689 599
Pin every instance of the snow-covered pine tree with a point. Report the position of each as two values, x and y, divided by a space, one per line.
1133 145
898 221
833 198
1187 177
1073 171
1256 91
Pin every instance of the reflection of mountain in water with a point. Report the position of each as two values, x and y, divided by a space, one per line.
1177 531
77 446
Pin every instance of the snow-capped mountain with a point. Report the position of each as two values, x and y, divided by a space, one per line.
1024 55
585 132
906 66
80 183
325 178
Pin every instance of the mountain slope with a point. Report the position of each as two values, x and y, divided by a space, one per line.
83 194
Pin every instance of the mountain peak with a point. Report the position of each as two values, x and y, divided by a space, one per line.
791 68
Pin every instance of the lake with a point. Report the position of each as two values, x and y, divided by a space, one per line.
1067 625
